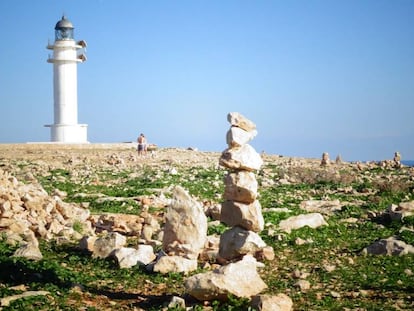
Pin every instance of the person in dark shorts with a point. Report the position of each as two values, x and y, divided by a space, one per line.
142 145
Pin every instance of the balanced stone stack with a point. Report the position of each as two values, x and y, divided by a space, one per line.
325 159
239 246
241 209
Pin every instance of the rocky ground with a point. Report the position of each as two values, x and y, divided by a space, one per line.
106 154
361 184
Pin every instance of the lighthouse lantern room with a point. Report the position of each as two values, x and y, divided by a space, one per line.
66 55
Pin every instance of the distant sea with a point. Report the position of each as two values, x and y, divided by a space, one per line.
408 162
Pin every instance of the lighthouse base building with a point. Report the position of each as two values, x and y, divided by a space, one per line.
67 53
68 133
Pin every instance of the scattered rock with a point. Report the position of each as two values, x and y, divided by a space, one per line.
239 279
326 207
129 257
313 220
390 246
176 303
29 251
403 209
106 245
303 285
177 264
279 302
125 224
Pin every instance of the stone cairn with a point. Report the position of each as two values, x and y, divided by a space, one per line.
241 209
338 159
325 159
240 246
397 159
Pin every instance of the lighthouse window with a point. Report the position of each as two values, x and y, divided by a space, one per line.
64 34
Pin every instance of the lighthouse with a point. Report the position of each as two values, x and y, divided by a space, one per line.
67 53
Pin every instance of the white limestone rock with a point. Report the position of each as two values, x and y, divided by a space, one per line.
303 285
72 212
279 302
29 251
128 257
247 216
241 158
240 186
237 136
106 245
236 242
176 264
18 226
125 224
313 220
238 120
185 229
240 279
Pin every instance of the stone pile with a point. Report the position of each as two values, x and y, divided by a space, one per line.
240 246
27 212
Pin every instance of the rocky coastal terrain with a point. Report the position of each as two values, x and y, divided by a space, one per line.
84 226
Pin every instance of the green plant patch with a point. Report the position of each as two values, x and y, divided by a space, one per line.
218 229
122 207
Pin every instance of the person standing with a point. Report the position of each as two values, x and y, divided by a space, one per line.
142 145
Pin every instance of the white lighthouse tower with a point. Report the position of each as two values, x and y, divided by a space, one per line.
66 55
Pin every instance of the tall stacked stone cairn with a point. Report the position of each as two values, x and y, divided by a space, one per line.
241 209
240 246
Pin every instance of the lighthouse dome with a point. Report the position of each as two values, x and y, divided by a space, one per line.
64 29
63 23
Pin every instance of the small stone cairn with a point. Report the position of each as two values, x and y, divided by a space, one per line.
325 159
338 159
397 159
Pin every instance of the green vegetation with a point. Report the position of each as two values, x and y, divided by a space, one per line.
341 278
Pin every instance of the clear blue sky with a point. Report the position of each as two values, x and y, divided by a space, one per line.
315 76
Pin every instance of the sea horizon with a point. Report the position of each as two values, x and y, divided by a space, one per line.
408 163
